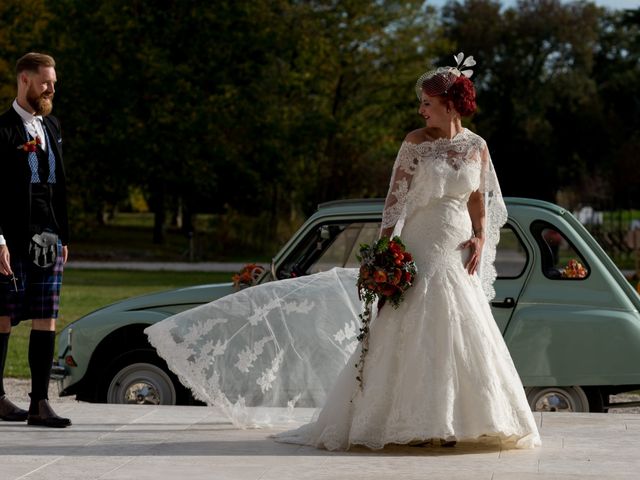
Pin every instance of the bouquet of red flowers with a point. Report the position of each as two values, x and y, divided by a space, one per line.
387 270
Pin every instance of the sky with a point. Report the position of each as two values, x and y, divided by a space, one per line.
613 4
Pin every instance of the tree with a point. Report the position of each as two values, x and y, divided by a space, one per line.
535 87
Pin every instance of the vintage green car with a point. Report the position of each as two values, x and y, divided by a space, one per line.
568 316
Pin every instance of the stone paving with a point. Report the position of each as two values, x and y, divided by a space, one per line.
122 442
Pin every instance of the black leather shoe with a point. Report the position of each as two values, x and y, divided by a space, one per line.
47 417
10 412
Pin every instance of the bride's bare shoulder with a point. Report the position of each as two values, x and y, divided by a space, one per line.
417 136
421 135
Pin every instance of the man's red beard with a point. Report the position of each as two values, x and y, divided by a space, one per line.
42 104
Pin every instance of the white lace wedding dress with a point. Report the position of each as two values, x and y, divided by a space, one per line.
437 366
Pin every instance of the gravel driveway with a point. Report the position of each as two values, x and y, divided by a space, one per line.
18 390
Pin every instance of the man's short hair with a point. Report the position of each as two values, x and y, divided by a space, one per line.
32 61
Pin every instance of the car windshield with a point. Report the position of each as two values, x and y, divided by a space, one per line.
342 251
328 246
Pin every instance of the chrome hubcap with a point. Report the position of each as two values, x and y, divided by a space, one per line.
142 393
141 384
554 402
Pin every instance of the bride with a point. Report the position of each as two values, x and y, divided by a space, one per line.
437 367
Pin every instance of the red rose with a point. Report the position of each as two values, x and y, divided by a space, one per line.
389 290
397 276
407 277
408 257
395 247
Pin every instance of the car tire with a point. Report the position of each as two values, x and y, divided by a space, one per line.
557 399
141 378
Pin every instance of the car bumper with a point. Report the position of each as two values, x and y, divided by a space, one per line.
62 376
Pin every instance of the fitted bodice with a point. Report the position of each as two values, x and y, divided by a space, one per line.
435 231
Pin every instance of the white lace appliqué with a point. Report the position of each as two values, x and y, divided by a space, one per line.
268 336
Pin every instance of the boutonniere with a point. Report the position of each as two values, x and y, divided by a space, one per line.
31 145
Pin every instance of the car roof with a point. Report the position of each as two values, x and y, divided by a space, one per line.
373 205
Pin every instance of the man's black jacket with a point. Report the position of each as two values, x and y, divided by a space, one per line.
15 182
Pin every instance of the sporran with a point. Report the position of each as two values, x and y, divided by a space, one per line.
43 249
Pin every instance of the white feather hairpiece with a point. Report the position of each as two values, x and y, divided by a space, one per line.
469 62
447 75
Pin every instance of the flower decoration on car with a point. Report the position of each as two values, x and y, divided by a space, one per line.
248 276
31 145
386 271
574 269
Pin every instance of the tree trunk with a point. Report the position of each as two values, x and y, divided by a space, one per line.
159 213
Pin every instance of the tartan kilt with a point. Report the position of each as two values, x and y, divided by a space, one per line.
38 289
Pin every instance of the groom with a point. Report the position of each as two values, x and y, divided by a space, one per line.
33 231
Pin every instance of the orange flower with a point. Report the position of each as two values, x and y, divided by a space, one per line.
248 275
364 271
574 269
380 276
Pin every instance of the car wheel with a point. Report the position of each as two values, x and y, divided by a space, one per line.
557 399
139 380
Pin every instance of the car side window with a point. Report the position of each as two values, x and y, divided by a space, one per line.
345 246
560 259
511 255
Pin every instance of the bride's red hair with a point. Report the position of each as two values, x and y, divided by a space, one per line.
463 96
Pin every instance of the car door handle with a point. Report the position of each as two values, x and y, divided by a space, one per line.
506 303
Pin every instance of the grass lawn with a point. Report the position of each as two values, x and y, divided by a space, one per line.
128 236
86 290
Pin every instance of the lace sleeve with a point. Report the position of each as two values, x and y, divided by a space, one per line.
396 201
496 217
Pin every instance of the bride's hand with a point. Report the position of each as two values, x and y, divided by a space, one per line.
475 244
